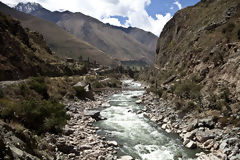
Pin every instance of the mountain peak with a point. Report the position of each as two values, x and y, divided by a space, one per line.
28 7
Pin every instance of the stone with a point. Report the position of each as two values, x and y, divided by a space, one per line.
126 158
207 122
191 144
208 144
164 126
85 147
202 136
190 135
138 101
95 114
106 104
192 125
112 143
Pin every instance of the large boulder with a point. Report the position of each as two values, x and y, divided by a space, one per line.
95 114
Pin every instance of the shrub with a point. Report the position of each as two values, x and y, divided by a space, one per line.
38 85
41 116
7 109
188 89
80 92
24 90
47 116
97 84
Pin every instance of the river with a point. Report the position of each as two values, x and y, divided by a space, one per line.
135 134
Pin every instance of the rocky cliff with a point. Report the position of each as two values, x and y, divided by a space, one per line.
202 44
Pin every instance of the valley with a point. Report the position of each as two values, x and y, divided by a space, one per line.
73 87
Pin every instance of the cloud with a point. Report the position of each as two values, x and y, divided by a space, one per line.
178 4
112 21
104 10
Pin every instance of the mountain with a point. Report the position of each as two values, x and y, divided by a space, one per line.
60 41
25 53
125 44
200 46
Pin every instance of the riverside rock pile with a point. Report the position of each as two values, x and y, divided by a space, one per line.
79 140
194 129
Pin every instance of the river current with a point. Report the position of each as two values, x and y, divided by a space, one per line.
135 134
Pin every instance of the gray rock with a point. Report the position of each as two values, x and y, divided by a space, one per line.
95 114
112 143
191 144
126 158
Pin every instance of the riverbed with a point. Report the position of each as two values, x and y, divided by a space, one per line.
136 135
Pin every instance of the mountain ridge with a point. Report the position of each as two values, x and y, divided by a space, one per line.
60 41
117 42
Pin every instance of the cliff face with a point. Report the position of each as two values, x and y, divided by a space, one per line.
25 53
203 41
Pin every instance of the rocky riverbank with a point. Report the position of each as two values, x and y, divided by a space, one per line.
195 129
79 139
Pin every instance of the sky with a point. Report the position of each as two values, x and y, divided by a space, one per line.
149 15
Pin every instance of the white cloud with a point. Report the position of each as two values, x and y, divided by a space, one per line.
112 21
178 4
103 10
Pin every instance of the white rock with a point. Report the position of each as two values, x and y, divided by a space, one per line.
138 101
125 158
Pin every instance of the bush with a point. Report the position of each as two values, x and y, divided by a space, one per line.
38 85
97 84
7 109
41 116
80 92
188 89
47 116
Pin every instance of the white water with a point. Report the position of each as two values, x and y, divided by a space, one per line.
136 135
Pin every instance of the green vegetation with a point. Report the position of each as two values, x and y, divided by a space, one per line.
187 89
97 84
38 85
80 92
41 116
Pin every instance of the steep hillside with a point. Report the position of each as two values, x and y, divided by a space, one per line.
25 53
201 45
59 40
121 43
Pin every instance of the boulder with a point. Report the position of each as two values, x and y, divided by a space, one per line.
139 101
203 136
126 158
95 114
191 144
112 143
